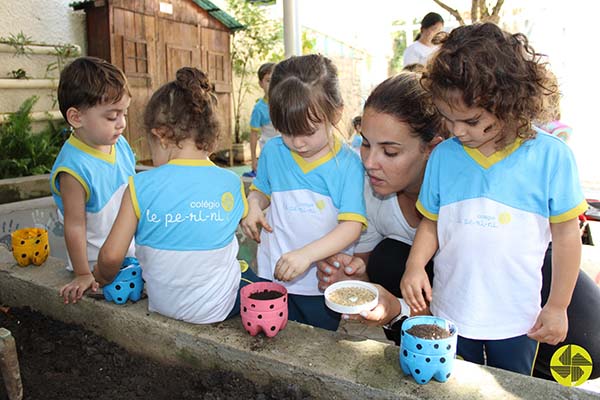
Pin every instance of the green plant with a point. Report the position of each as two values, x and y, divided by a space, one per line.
26 153
250 48
62 52
20 42
18 74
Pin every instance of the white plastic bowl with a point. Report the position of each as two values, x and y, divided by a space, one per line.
357 309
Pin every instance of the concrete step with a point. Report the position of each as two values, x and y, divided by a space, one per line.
328 365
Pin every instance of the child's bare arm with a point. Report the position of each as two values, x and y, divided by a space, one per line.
253 142
415 280
296 262
73 196
255 219
115 247
552 325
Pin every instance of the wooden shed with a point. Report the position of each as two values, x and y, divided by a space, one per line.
151 39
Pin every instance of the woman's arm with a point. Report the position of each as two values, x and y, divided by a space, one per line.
73 196
551 325
296 262
115 247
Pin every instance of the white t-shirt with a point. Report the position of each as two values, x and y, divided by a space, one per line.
417 53
385 220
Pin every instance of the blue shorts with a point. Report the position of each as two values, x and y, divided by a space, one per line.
515 354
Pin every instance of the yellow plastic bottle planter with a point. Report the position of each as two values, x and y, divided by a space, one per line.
30 246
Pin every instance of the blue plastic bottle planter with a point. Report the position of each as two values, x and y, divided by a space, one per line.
127 285
427 358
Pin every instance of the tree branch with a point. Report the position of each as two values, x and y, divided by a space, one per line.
474 11
451 10
497 7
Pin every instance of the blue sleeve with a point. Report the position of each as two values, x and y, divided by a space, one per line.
261 182
429 196
566 200
257 118
352 201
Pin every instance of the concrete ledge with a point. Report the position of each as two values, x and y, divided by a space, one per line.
24 188
328 365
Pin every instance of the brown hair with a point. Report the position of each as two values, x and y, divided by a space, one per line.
88 81
403 97
304 92
185 108
492 69
266 68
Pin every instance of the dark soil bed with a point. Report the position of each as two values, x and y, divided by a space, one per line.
63 361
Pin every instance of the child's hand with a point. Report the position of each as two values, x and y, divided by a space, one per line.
413 283
252 223
290 265
551 325
340 267
75 289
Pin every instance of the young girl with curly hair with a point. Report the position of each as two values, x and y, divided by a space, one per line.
492 198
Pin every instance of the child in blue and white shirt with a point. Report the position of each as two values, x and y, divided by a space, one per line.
183 214
313 183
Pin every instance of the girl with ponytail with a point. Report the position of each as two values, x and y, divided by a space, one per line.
184 213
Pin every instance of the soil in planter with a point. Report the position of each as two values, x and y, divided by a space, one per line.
266 295
63 361
428 331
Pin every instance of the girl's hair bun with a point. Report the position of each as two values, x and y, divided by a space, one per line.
189 78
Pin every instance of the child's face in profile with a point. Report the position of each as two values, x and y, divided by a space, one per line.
101 125
264 84
311 146
475 127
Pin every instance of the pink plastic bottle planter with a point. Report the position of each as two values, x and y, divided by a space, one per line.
270 315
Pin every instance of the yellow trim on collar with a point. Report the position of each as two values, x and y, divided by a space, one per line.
306 166
74 175
487 162
571 214
86 148
134 200
191 163
426 214
353 217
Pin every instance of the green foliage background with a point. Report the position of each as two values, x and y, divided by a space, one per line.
26 153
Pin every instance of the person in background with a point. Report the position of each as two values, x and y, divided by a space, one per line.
356 138
261 128
184 213
421 49
311 182
91 171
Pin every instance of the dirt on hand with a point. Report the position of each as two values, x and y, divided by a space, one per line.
64 361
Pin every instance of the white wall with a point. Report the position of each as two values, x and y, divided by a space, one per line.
43 21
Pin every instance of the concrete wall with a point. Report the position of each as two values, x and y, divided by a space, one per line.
51 22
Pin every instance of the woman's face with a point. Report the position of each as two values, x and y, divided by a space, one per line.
429 33
393 158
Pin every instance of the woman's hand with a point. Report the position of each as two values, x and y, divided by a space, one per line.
75 289
291 265
412 285
551 325
387 309
340 267
254 221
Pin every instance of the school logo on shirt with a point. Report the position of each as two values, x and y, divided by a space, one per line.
227 201
320 204
504 218
571 365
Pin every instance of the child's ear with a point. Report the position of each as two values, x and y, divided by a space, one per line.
159 134
74 117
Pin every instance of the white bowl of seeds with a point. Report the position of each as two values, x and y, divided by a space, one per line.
351 297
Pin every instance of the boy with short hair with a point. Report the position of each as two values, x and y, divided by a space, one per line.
91 171
260 121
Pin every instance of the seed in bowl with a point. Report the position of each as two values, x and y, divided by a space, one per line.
351 296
